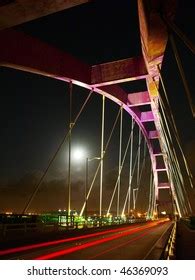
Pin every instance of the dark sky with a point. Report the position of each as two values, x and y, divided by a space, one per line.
34 113
179 103
34 119
34 109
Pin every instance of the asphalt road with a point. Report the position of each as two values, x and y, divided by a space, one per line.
125 242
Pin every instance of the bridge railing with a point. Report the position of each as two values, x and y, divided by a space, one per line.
58 226
4 228
169 250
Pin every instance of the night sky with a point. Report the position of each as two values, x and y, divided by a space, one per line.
35 109
175 89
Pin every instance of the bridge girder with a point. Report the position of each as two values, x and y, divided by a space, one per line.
26 10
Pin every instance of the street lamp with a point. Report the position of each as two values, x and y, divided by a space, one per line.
86 180
134 197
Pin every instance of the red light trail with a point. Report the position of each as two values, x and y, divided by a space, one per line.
121 245
117 233
92 243
60 241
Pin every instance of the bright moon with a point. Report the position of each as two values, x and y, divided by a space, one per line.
78 154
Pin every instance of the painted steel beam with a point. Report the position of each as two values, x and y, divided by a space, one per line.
153 30
160 169
147 116
16 12
118 71
157 152
138 98
116 91
153 134
164 185
23 52
20 51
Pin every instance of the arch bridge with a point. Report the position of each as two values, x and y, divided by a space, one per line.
148 108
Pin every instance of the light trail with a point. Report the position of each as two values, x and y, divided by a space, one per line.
121 245
60 241
54 255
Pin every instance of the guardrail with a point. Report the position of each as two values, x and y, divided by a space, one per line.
29 227
4 228
99 223
169 252
157 251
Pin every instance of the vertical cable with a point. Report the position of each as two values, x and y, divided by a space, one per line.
38 184
172 154
182 74
143 164
98 167
134 197
119 164
69 147
138 160
102 153
130 168
116 184
174 128
131 172
150 203
86 185
135 191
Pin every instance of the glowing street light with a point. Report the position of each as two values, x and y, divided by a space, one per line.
134 197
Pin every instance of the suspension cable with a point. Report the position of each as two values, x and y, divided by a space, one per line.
141 172
130 167
168 149
137 189
174 166
182 73
36 188
133 172
138 160
124 157
143 164
169 134
98 167
180 34
167 143
119 165
102 153
69 147
128 195
153 199
173 126
172 152
150 204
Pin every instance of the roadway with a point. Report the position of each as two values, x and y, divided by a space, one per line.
125 242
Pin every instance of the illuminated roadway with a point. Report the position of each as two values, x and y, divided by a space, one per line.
125 242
